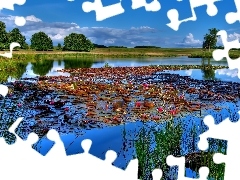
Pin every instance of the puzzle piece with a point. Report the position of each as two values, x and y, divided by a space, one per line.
56 165
9 54
180 162
3 90
157 174
103 12
9 4
173 14
22 155
153 6
219 54
232 17
226 130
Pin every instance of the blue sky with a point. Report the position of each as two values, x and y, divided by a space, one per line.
58 18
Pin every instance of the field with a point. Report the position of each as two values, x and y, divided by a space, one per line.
123 53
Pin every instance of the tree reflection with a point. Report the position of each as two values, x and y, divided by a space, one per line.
78 63
207 70
42 67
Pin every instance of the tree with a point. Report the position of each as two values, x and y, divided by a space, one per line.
210 39
41 42
4 41
77 42
16 36
59 46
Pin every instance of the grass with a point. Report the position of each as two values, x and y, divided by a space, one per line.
122 53
150 158
155 158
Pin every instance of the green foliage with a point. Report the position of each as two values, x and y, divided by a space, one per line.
4 38
77 42
168 141
59 46
14 69
210 39
41 42
99 46
16 36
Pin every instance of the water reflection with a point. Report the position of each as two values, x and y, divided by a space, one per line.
121 138
50 67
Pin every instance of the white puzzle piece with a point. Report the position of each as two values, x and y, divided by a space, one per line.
103 12
56 164
153 6
219 54
12 46
3 90
180 162
229 131
9 4
173 15
232 17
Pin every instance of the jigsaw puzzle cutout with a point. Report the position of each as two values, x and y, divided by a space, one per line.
180 162
9 4
24 157
12 46
173 14
229 131
232 17
153 6
103 12
219 54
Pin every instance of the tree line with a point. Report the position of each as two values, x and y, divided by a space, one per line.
40 41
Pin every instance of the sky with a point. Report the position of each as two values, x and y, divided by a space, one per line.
59 18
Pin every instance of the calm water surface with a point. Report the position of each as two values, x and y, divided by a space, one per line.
112 137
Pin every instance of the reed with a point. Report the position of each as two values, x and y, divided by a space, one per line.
149 159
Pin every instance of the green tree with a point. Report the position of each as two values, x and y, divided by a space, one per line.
59 46
41 42
77 42
210 39
4 41
16 36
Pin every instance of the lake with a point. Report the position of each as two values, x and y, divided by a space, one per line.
120 138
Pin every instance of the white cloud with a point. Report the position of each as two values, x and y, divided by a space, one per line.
33 19
189 41
109 41
231 37
229 72
134 36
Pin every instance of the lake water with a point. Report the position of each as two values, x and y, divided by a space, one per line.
113 137
51 70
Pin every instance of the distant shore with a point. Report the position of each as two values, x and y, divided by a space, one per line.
121 53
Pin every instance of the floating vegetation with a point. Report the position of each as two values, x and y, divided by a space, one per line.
93 98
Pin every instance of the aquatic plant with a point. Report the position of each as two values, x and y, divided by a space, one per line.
106 65
167 141
11 109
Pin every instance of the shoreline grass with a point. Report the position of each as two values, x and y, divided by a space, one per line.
119 53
